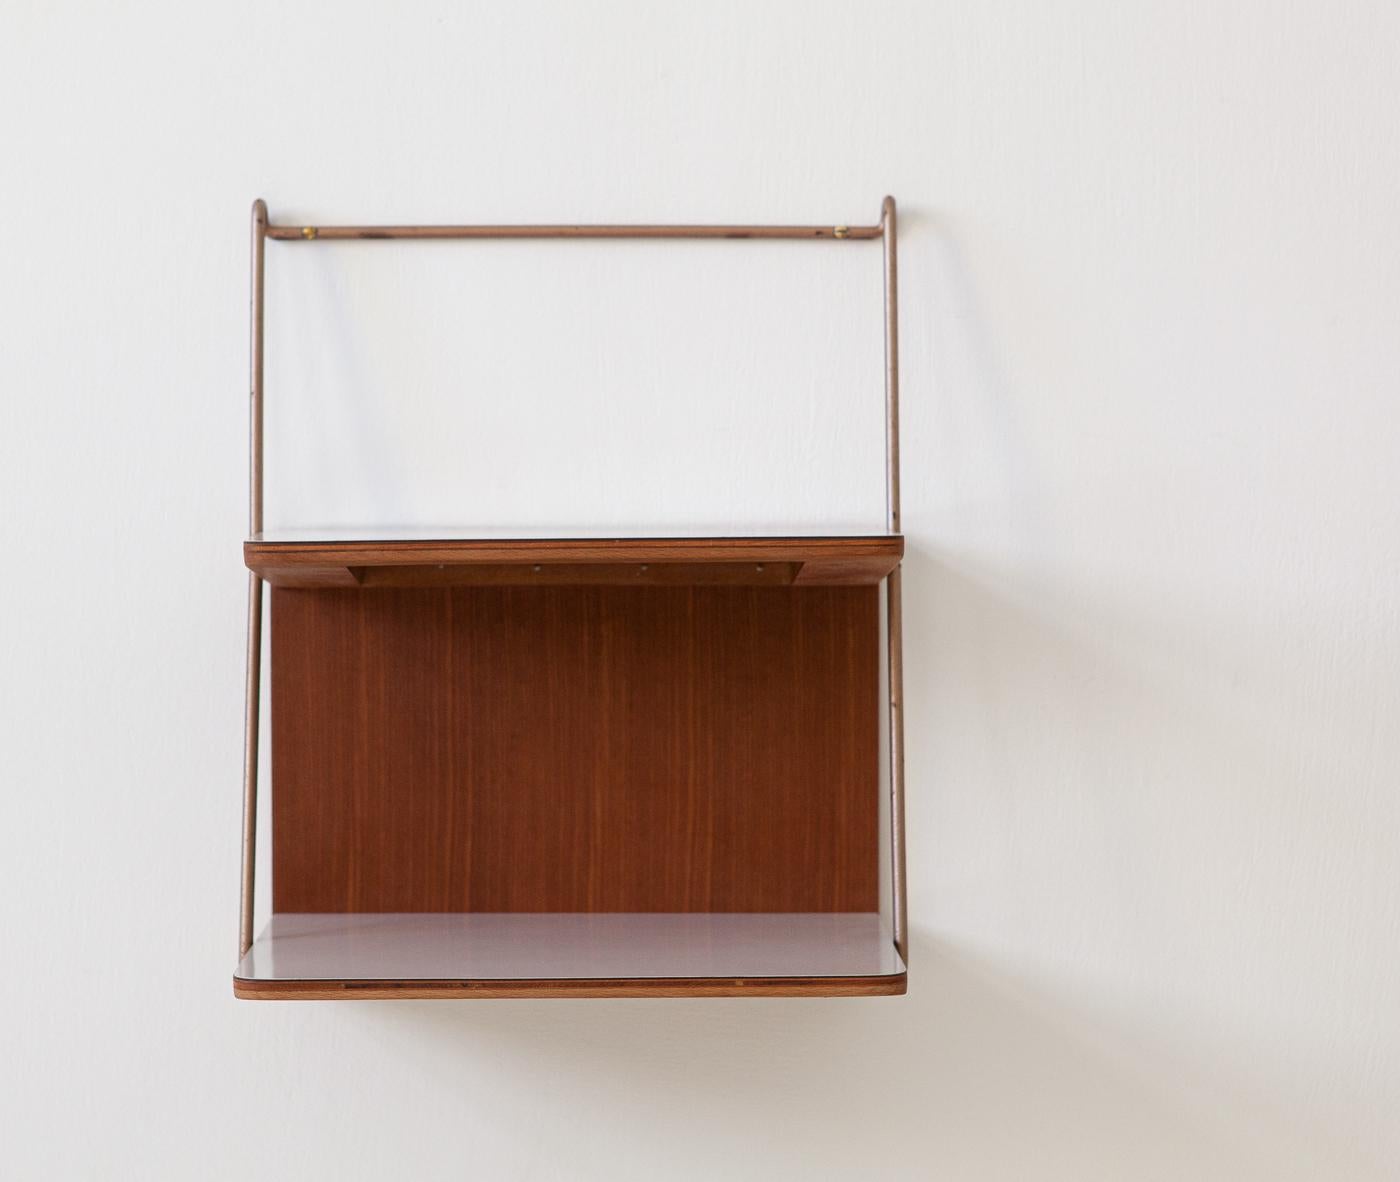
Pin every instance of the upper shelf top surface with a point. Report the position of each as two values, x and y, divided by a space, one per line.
544 533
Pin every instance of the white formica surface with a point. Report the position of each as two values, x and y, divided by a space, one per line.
488 532
493 946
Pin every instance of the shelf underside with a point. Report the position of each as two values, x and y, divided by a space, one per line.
748 561
465 955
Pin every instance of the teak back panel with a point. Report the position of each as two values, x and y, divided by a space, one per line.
575 749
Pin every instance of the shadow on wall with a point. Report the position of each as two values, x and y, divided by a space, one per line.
1123 974
1158 839
972 1075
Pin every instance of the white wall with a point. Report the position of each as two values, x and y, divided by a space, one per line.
1151 300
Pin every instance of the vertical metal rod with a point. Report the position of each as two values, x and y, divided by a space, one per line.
253 685
251 708
894 629
895 657
889 232
255 381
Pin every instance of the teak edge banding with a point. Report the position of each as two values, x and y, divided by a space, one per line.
891 985
816 560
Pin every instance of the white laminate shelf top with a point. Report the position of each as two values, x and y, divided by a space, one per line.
499 947
537 533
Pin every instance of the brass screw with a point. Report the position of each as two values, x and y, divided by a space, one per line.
308 232
842 231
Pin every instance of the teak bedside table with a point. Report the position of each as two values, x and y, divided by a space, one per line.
576 766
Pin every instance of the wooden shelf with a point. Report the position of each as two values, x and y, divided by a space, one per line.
358 955
830 560
544 763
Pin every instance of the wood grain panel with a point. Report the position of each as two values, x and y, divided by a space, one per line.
575 749
750 560
774 574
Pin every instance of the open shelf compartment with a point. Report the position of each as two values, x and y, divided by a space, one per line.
670 786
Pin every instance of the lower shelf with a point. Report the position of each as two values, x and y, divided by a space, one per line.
349 956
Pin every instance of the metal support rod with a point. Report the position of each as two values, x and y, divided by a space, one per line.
890 233
894 606
255 379
251 708
898 881
253 685
321 233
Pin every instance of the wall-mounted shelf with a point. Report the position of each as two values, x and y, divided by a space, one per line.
507 765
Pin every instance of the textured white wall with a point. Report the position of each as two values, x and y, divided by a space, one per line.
1151 300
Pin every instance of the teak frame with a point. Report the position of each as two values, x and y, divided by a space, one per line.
265 568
